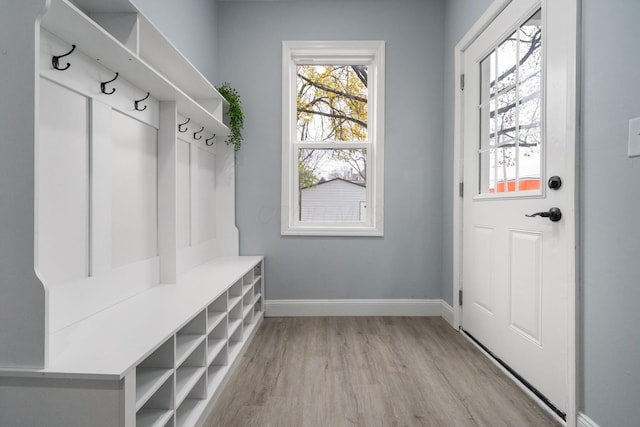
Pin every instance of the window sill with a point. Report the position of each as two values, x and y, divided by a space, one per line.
333 231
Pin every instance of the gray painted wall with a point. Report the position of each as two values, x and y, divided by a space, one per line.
460 15
198 17
610 200
406 263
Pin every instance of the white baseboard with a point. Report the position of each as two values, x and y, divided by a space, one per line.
447 312
584 421
355 307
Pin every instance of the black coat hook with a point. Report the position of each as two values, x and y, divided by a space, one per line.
136 103
206 141
55 60
182 124
103 86
195 134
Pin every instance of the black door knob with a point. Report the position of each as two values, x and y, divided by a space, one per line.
554 214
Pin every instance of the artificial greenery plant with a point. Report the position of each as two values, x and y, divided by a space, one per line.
236 116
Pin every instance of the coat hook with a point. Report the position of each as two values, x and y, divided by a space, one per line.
136 103
206 141
103 85
182 124
55 59
196 136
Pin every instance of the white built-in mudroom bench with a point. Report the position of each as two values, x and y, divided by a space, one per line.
123 298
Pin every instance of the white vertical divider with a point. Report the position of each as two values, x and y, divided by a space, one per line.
213 106
123 26
128 396
23 299
101 161
167 191
195 194
226 230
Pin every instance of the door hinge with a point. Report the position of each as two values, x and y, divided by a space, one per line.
461 81
461 189
460 297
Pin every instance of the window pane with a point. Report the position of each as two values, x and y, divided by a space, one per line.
509 151
530 105
506 53
331 102
332 185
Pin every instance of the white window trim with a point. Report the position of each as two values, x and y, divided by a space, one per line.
372 54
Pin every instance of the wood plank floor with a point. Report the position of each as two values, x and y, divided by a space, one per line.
369 371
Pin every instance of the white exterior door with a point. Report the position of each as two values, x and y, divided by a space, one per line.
517 270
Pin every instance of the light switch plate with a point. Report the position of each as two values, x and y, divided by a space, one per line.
634 137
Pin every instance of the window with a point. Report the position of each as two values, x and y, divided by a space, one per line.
332 138
510 151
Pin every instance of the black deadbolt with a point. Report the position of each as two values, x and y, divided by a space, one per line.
555 182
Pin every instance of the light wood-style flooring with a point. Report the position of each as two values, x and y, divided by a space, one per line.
369 371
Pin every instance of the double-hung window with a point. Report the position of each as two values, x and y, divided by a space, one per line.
332 138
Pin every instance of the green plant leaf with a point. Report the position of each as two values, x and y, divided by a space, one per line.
235 114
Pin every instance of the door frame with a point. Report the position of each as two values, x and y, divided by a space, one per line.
571 15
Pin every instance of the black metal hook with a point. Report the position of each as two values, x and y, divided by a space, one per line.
55 60
136 103
182 124
196 136
206 141
103 85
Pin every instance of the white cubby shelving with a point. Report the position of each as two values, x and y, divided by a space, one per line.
235 321
154 372
217 368
235 295
189 381
157 411
216 312
121 224
190 337
187 413
217 340
179 377
247 311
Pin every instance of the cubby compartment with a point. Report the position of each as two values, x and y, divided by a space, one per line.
235 339
247 282
217 341
235 319
190 337
153 372
235 294
257 305
191 407
217 370
247 307
257 290
157 410
258 297
216 312
189 374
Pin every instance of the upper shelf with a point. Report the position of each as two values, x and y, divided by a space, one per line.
157 66
155 49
